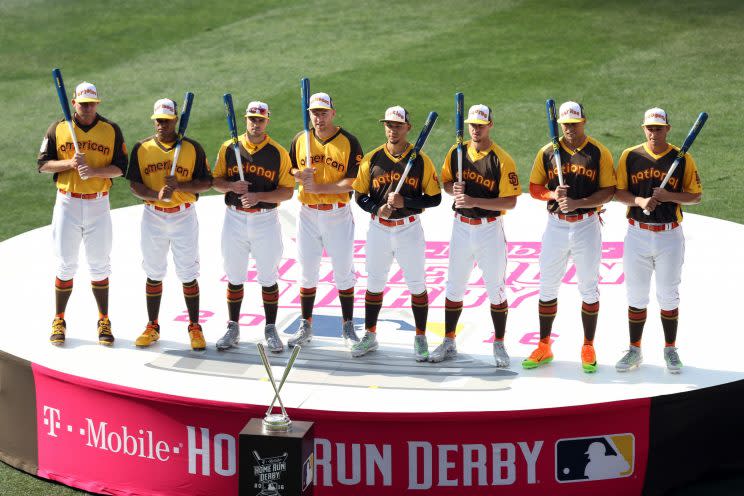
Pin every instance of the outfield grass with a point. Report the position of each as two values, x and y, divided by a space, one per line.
618 58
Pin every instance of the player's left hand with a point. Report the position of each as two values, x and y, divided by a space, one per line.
464 201
249 199
86 171
567 204
458 188
385 211
662 195
395 200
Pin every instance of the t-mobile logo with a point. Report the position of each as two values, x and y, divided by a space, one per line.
51 419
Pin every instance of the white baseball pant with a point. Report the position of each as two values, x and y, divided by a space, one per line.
178 231
258 234
403 243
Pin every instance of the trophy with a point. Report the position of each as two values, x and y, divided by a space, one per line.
277 422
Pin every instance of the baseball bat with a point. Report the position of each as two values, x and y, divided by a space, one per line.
699 123
290 363
423 135
459 125
232 125
62 95
267 366
182 124
305 94
553 128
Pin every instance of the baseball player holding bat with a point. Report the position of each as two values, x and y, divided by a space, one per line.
254 182
395 200
169 217
489 187
573 229
325 160
655 242
81 211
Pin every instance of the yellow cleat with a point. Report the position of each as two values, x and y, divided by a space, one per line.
105 336
197 337
149 336
59 326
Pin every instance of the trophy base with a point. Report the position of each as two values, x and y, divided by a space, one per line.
277 422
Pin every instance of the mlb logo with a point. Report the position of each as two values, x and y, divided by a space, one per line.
583 459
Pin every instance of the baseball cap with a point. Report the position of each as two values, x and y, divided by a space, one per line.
396 114
479 114
86 92
320 101
571 112
165 108
258 109
655 117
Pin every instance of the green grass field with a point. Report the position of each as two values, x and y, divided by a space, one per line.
618 58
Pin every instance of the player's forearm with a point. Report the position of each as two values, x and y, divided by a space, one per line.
684 198
222 185
142 192
627 198
423 201
366 203
343 186
54 166
108 172
447 187
540 192
596 199
277 196
195 186
495 204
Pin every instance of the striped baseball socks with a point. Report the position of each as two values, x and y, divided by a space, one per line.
191 295
346 298
100 293
636 321
589 314
498 316
452 311
154 293
62 292
307 302
547 311
372 307
420 307
270 297
234 301
669 319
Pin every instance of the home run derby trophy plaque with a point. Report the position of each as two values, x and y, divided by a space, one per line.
276 454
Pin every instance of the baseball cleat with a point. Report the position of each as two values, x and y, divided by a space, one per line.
105 337
273 342
500 357
367 344
445 351
230 338
303 335
631 360
540 356
197 337
349 334
59 326
420 348
673 363
588 359
148 336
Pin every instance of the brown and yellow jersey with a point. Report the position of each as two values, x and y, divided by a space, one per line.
490 173
102 143
334 159
640 170
266 166
380 172
150 163
586 170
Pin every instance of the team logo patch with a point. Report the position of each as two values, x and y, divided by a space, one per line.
513 179
604 457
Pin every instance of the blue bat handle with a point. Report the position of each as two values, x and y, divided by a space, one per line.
305 94
699 123
185 114
552 124
61 93
428 125
459 111
230 110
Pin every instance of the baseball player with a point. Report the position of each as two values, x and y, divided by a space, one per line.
251 225
325 220
489 187
573 227
169 218
655 242
81 210
395 231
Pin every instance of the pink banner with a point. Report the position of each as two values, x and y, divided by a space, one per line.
116 440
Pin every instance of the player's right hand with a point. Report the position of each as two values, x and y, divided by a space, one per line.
385 211
561 192
648 204
165 193
240 187
458 188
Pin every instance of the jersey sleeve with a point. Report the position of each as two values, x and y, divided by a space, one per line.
286 180
447 176
607 176
133 170
220 164
430 181
355 158
509 182
120 149
538 176
293 151
361 183
622 170
48 149
691 180
201 166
